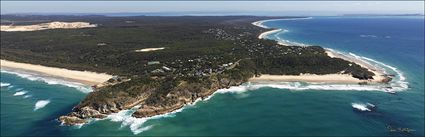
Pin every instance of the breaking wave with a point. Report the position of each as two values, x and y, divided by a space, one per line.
360 107
41 104
4 84
368 36
20 93
137 125
397 84
282 41
49 80
374 36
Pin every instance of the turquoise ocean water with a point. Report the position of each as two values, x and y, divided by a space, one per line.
31 103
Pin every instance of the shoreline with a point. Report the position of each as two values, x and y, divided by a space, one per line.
327 79
380 75
260 22
264 34
330 78
83 77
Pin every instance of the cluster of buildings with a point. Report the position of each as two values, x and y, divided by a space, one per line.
206 65
195 67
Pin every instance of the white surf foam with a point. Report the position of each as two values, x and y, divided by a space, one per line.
41 104
368 36
20 93
396 84
360 106
282 41
4 84
10 87
27 96
399 83
137 126
49 80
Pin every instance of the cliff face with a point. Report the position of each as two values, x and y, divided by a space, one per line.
152 103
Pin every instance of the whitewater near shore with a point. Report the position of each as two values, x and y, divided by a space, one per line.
92 78
339 78
136 123
84 77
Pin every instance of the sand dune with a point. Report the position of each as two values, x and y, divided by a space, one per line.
45 26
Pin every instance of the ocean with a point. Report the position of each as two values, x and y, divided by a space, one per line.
31 103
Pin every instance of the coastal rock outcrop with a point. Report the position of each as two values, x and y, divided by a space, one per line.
150 104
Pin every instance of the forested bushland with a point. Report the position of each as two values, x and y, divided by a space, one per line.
202 54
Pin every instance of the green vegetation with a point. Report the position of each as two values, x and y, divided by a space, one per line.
201 55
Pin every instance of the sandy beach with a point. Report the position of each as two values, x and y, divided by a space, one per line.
313 78
260 23
264 34
379 72
84 77
45 26
328 78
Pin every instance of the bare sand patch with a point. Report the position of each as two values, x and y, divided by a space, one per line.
45 26
84 77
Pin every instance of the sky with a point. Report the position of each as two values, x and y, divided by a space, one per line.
219 7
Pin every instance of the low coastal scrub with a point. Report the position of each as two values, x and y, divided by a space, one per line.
198 56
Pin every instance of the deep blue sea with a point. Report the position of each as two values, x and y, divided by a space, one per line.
30 104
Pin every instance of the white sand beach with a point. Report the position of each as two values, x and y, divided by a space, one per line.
379 72
45 26
84 77
260 24
328 78
264 34
313 78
